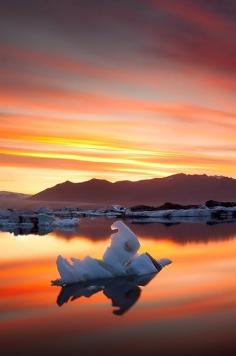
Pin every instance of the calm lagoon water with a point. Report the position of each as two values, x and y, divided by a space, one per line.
188 308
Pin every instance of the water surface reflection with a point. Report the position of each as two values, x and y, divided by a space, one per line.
99 229
124 292
189 306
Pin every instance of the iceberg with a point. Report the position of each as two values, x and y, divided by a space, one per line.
121 259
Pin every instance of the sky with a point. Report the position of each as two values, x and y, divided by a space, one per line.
117 90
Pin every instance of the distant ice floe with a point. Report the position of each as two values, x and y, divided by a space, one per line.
35 222
202 214
43 220
66 223
120 259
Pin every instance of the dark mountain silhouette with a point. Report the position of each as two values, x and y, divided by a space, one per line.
179 188
12 195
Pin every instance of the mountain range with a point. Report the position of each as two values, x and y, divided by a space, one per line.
179 188
12 195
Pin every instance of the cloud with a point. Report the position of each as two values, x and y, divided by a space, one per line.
194 33
118 88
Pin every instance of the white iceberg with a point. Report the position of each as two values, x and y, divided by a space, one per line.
120 259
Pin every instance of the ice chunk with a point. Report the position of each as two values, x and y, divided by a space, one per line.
164 262
44 219
66 223
93 269
124 245
120 259
67 272
141 264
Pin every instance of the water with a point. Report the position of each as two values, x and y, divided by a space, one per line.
188 308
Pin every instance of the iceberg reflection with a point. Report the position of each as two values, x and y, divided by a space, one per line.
124 292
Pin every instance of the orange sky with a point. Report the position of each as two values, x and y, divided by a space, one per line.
115 91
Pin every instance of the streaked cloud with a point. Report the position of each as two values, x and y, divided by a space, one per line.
116 90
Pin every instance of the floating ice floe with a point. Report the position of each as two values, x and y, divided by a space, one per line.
66 223
35 221
120 259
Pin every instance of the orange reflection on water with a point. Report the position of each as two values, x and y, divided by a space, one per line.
201 283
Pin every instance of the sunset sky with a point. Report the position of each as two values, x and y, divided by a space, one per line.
127 89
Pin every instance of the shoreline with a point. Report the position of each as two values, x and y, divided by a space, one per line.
43 220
